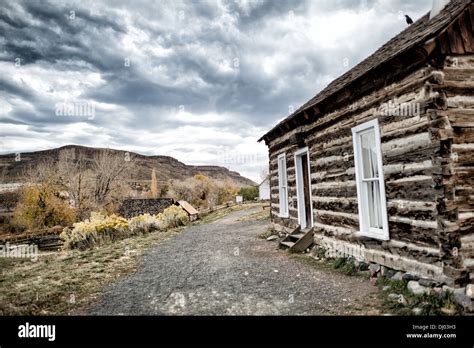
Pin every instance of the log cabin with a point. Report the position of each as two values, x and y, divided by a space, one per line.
380 163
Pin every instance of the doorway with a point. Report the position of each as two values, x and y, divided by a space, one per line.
303 188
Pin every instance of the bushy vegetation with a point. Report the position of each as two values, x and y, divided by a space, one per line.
346 265
41 206
406 303
249 193
203 192
101 229
173 216
69 189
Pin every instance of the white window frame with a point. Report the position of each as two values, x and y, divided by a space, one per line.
300 188
283 186
364 222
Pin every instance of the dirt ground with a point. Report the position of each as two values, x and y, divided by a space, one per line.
223 268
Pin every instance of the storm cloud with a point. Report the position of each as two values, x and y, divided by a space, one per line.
197 80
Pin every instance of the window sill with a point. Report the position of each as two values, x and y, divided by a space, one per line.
372 236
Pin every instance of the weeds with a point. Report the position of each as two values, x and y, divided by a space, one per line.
408 303
345 265
65 282
267 233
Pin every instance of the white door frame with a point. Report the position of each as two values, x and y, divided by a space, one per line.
300 188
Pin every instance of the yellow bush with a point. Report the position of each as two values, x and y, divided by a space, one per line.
173 216
101 229
40 206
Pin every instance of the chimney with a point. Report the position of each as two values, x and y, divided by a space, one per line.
438 5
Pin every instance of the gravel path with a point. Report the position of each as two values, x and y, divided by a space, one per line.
223 268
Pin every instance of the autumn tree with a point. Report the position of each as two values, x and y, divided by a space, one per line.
41 204
153 185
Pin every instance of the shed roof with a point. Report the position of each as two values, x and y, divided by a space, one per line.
266 179
188 207
414 35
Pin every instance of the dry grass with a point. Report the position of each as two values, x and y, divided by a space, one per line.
65 282
263 214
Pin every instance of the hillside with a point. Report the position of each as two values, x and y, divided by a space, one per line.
166 167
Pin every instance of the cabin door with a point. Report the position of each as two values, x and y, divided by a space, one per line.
303 188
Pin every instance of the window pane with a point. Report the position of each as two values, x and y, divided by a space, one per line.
375 208
369 155
283 194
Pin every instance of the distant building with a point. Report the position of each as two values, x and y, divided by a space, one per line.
188 208
264 189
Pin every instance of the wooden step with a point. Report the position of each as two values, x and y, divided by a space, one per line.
288 244
297 236
298 241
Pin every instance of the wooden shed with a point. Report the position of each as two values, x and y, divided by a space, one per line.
380 163
188 208
264 189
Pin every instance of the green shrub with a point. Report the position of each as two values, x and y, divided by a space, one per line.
428 304
346 265
249 193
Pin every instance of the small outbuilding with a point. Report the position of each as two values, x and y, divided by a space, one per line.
264 189
188 208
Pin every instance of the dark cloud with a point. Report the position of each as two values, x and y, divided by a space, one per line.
232 68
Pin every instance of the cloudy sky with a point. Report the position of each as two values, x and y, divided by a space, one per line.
199 80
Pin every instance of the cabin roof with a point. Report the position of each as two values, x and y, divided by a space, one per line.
265 179
414 35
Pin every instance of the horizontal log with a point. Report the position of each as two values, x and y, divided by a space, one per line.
337 219
409 231
414 188
463 135
416 210
336 204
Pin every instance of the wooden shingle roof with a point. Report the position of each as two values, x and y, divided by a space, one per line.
414 35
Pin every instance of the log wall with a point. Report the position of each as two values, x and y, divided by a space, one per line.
429 194
456 213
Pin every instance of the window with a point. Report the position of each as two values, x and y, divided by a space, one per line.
282 185
370 183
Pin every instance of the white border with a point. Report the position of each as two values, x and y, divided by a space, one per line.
381 234
284 172
300 189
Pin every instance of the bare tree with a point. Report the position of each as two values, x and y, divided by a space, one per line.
76 176
42 173
109 169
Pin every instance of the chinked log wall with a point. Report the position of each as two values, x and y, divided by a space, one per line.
415 154
456 220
